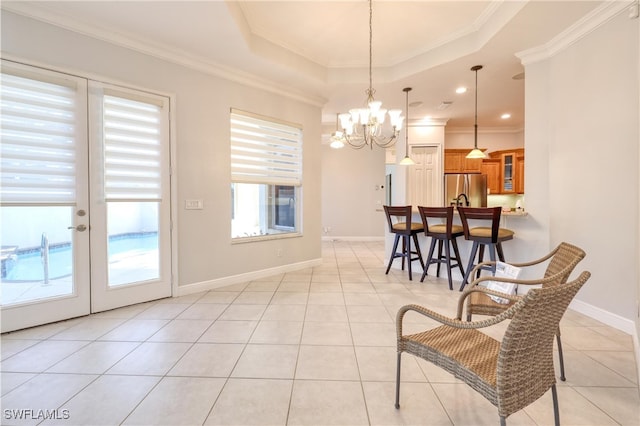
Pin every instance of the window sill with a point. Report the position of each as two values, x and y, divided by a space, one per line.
242 240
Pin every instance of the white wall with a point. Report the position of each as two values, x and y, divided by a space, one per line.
491 139
581 144
202 104
352 199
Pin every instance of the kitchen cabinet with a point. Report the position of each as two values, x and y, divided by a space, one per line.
455 161
511 179
519 180
491 167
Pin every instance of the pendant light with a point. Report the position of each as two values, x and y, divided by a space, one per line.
475 152
407 161
337 137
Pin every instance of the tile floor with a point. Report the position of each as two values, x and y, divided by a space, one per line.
314 347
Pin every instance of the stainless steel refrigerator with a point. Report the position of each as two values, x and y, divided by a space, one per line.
472 185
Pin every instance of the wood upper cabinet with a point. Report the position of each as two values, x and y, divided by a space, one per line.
519 181
511 170
455 161
491 167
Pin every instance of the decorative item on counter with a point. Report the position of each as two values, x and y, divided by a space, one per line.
519 207
506 209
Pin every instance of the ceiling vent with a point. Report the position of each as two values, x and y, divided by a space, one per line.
444 105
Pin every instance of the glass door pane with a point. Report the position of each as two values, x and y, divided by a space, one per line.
133 254
37 253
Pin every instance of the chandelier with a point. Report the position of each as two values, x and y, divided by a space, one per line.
363 126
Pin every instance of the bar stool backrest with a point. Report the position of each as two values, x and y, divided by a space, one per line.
487 214
399 219
445 213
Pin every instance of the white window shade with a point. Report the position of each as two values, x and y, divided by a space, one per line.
132 149
264 151
38 140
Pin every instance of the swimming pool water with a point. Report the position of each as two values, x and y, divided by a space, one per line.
29 266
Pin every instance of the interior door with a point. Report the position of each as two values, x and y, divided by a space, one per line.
425 177
85 205
44 192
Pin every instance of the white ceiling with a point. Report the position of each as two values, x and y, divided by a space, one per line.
320 49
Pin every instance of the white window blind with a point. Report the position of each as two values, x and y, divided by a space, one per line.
38 139
264 151
132 149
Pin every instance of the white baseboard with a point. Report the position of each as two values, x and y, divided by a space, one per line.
364 239
241 278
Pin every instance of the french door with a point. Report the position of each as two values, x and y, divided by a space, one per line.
85 206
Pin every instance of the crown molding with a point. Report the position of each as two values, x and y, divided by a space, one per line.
583 27
163 52
483 130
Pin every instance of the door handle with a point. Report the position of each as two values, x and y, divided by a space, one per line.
79 228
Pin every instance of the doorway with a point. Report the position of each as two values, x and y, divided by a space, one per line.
85 210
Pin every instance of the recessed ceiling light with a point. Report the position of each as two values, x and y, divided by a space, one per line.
461 90
505 116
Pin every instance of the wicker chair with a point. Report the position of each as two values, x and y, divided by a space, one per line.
562 261
511 374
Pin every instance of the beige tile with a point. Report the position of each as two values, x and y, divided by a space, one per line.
284 313
621 404
95 358
202 311
10 381
10 347
38 358
220 297
177 400
325 287
267 362
42 332
243 312
126 312
135 330
327 363
467 407
369 314
181 331
326 333
574 409
295 286
89 329
374 334
107 401
349 287
254 298
228 332
267 286
208 360
44 392
623 363
290 298
326 299
327 403
326 313
365 299
582 370
278 332
584 338
418 404
163 311
150 359
252 402
239 286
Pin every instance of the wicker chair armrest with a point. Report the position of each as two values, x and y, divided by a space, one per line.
484 290
455 322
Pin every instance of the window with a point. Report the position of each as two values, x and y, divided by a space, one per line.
266 177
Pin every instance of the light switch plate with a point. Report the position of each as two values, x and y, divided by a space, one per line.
193 204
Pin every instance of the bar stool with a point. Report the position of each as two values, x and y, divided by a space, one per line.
492 235
399 220
444 234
